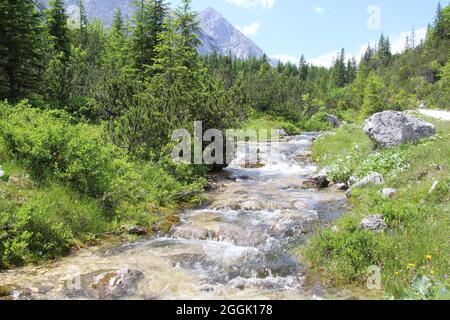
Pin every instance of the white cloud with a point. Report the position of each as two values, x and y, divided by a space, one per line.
250 30
397 46
325 60
398 41
319 10
284 58
264 4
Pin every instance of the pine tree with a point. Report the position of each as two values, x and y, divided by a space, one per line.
82 23
407 43
21 47
339 70
304 68
148 23
442 25
368 54
374 96
57 27
352 70
118 23
187 24
384 50
438 14
118 48
56 76
413 38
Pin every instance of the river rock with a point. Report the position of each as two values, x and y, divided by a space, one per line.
392 128
373 222
114 284
5 291
301 205
388 193
251 205
192 233
319 181
282 132
135 229
341 186
333 120
374 178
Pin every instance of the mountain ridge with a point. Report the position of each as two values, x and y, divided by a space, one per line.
216 33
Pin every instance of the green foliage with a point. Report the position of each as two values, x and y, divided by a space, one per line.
318 122
148 22
42 223
374 96
46 143
81 184
20 48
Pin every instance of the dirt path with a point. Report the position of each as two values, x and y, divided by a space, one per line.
437 114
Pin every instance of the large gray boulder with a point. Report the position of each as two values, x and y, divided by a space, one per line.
392 128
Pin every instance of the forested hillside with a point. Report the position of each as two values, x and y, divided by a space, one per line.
87 113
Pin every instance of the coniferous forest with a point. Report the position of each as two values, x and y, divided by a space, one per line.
87 112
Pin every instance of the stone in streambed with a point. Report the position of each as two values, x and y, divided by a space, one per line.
193 233
341 186
135 230
320 180
114 284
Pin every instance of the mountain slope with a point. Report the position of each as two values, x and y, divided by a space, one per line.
216 33
227 39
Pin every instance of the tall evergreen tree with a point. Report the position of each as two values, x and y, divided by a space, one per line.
148 23
352 70
118 49
374 96
304 68
82 23
442 25
339 70
368 54
56 75
21 47
57 26
384 50
187 25
438 14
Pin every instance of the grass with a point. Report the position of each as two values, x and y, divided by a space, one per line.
414 252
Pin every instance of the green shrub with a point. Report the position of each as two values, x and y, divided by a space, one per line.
318 122
85 184
85 160
33 136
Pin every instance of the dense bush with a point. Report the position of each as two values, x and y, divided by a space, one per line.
80 184
47 144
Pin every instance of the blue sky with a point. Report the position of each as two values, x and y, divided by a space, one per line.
319 28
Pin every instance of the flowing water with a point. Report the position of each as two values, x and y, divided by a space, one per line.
239 246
